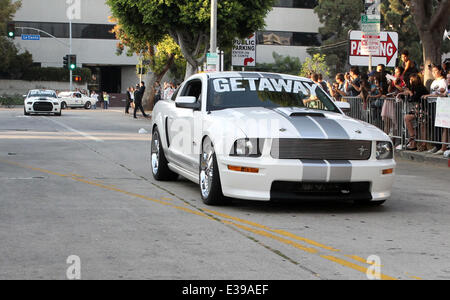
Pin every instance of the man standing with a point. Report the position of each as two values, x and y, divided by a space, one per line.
106 99
139 94
130 97
94 97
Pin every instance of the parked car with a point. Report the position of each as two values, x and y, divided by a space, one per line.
42 102
265 136
75 100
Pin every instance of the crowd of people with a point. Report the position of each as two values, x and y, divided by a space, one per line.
380 92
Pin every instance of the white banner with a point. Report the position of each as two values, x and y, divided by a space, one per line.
443 113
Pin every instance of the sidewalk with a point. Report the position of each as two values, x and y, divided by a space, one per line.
423 157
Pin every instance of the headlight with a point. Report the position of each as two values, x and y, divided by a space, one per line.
247 147
55 103
385 150
29 103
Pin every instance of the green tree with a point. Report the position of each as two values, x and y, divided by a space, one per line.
161 58
431 18
7 10
397 17
188 23
315 64
12 64
337 17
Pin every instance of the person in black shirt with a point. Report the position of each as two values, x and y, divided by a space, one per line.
139 94
415 94
353 82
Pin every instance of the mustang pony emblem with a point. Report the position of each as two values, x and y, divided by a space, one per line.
362 150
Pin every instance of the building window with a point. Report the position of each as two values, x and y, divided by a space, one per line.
296 3
286 38
61 30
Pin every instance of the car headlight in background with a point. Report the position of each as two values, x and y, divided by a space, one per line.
247 147
29 103
385 150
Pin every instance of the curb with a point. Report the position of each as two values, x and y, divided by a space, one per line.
423 158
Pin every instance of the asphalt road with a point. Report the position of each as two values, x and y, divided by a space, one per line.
81 185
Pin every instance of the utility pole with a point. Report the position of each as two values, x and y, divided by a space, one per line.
70 51
213 37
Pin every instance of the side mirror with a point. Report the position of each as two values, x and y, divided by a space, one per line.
187 102
344 106
24 96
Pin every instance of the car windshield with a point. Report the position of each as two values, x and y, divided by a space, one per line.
49 94
266 92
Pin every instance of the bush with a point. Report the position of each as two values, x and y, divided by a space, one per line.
11 100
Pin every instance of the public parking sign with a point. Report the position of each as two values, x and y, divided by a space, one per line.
244 52
386 55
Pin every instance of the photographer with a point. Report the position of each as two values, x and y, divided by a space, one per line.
353 82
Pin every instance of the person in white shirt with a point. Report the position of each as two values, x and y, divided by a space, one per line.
94 97
439 88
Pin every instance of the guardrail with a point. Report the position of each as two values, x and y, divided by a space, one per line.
394 115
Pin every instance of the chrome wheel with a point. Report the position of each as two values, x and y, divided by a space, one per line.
206 169
155 153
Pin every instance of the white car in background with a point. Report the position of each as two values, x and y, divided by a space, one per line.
42 102
75 100
265 136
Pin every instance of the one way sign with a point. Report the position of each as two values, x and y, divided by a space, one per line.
388 50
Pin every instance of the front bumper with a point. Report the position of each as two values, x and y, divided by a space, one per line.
30 108
273 173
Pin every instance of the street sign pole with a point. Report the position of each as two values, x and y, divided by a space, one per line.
370 23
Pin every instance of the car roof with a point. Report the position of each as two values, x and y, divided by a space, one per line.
251 74
39 91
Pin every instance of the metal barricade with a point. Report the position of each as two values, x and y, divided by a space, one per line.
390 115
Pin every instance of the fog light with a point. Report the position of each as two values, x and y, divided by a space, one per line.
388 171
243 169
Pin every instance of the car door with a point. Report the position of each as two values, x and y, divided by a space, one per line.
184 129
78 99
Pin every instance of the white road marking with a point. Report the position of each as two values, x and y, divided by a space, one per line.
74 130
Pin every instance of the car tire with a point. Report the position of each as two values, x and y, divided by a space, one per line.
25 112
63 105
58 114
159 163
210 184
88 105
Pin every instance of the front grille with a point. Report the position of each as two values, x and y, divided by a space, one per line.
321 149
286 190
43 106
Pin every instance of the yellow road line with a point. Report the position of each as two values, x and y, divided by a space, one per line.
243 227
281 232
354 266
280 239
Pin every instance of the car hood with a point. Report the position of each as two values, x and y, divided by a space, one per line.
296 123
42 99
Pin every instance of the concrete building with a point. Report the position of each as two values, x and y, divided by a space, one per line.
92 41
291 28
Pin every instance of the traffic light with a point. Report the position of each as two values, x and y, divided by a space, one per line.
66 62
77 78
11 30
72 62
